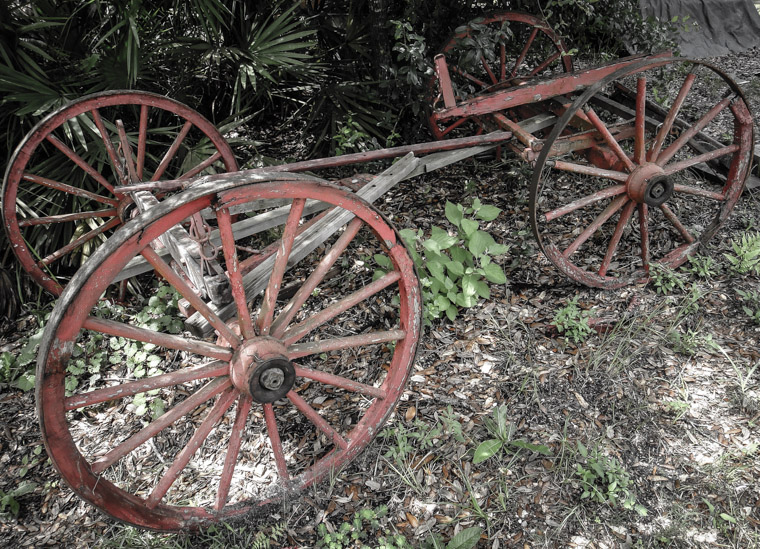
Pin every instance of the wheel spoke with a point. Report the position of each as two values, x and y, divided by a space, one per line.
71 246
455 125
609 138
274 439
677 223
609 192
68 189
172 151
625 217
142 138
333 344
591 170
523 53
665 156
170 341
667 124
195 170
280 264
340 382
195 442
79 161
314 279
602 218
468 76
108 145
126 150
640 146
131 388
50 220
644 230
320 423
233 271
296 332
696 191
210 390
233 450
185 291
488 70
675 167
549 60
502 62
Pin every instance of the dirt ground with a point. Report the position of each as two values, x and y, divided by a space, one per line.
668 388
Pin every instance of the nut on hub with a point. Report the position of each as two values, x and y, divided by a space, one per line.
261 369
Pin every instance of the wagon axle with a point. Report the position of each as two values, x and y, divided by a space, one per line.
260 368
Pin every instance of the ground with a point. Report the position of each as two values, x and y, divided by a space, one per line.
663 398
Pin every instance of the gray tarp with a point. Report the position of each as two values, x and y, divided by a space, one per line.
724 25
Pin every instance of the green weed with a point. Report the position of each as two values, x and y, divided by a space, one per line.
746 256
503 431
572 322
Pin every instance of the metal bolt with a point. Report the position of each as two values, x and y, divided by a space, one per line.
272 379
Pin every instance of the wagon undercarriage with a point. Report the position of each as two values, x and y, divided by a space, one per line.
303 308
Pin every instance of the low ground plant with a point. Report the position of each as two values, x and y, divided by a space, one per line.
572 322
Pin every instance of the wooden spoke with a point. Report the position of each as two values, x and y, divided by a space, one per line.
172 151
185 291
131 388
233 450
296 332
68 189
58 254
625 217
676 167
600 220
318 421
333 344
266 314
609 192
644 231
210 390
63 218
667 124
142 138
79 161
524 52
274 439
170 341
315 278
233 272
671 216
198 168
639 152
200 435
340 382
664 157
115 165
609 138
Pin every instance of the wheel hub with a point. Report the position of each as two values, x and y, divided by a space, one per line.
648 184
261 369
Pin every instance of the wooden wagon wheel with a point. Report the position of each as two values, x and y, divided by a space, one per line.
295 385
674 142
58 199
493 53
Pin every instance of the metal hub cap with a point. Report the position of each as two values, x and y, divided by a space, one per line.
647 184
261 369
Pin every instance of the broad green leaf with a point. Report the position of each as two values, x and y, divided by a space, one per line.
25 381
479 243
384 261
444 239
487 213
436 269
461 255
497 249
451 312
469 226
482 289
486 450
454 213
468 284
495 274
455 268
432 246
466 539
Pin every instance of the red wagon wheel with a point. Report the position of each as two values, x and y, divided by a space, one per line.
58 199
492 53
674 142
298 381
